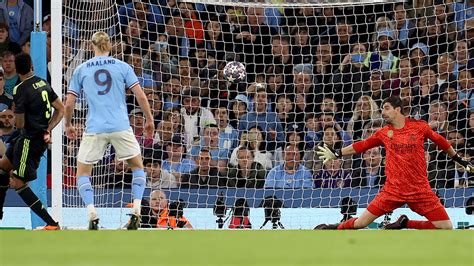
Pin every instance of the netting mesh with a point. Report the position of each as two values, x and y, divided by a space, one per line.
316 73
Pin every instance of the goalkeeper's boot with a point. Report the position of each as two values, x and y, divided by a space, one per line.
94 224
134 222
401 223
48 227
326 227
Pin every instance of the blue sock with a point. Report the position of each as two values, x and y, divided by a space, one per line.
85 189
138 183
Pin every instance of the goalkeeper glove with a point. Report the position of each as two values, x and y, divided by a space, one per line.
326 154
467 166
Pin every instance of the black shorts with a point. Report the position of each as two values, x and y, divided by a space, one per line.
25 155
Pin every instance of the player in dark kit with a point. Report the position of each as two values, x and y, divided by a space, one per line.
34 100
407 181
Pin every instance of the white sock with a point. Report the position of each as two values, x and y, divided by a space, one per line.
137 206
92 212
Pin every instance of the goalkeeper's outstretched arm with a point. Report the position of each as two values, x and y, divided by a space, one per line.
445 146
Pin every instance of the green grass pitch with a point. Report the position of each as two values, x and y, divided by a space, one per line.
454 248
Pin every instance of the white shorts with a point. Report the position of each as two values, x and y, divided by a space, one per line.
93 146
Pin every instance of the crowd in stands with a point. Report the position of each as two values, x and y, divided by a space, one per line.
315 76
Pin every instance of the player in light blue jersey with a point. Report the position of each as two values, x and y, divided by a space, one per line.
104 80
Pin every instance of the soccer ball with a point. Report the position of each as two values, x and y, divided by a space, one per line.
234 72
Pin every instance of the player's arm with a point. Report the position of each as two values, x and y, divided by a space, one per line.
55 119
68 112
19 120
443 144
145 107
326 154
57 114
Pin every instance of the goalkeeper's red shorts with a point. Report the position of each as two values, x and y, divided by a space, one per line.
429 206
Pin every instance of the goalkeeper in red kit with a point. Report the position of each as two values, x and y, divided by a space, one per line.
407 181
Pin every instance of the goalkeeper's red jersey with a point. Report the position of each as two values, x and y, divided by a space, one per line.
405 164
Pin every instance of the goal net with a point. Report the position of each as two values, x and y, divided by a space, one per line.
316 73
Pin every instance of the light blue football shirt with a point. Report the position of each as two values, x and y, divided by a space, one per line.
103 80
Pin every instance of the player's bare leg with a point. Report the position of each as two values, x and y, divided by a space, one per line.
86 191
138 187
5 167
354 223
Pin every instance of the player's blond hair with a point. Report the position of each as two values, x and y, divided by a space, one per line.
101 41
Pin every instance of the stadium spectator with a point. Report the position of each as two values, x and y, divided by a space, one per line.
179 44
210 142
328 119
171 93
238 107
342 40
457 111
216 37
365 110
248 173
428 90
228 135
375 89
193 27
405 26
470 134
175 163
350 77
252 41
294 136
205 175
9 71
149 16
137 122
438 117
164 133
405 78
372 172
284 110
5 43
418 54
312 127
134 39
253 138
158 177
463 11
19 17
301 48
332 176
267 121
135 59
466 85
156 215
155 102
7 129
461 55
280 56
6 100
445 67
305 91
324 66
411 109
382 57
194 115
174 116
291 174
332 138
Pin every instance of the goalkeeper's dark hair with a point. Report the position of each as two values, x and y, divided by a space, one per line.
394 101
23 63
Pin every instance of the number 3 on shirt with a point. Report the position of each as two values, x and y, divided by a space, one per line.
107 82
44 95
